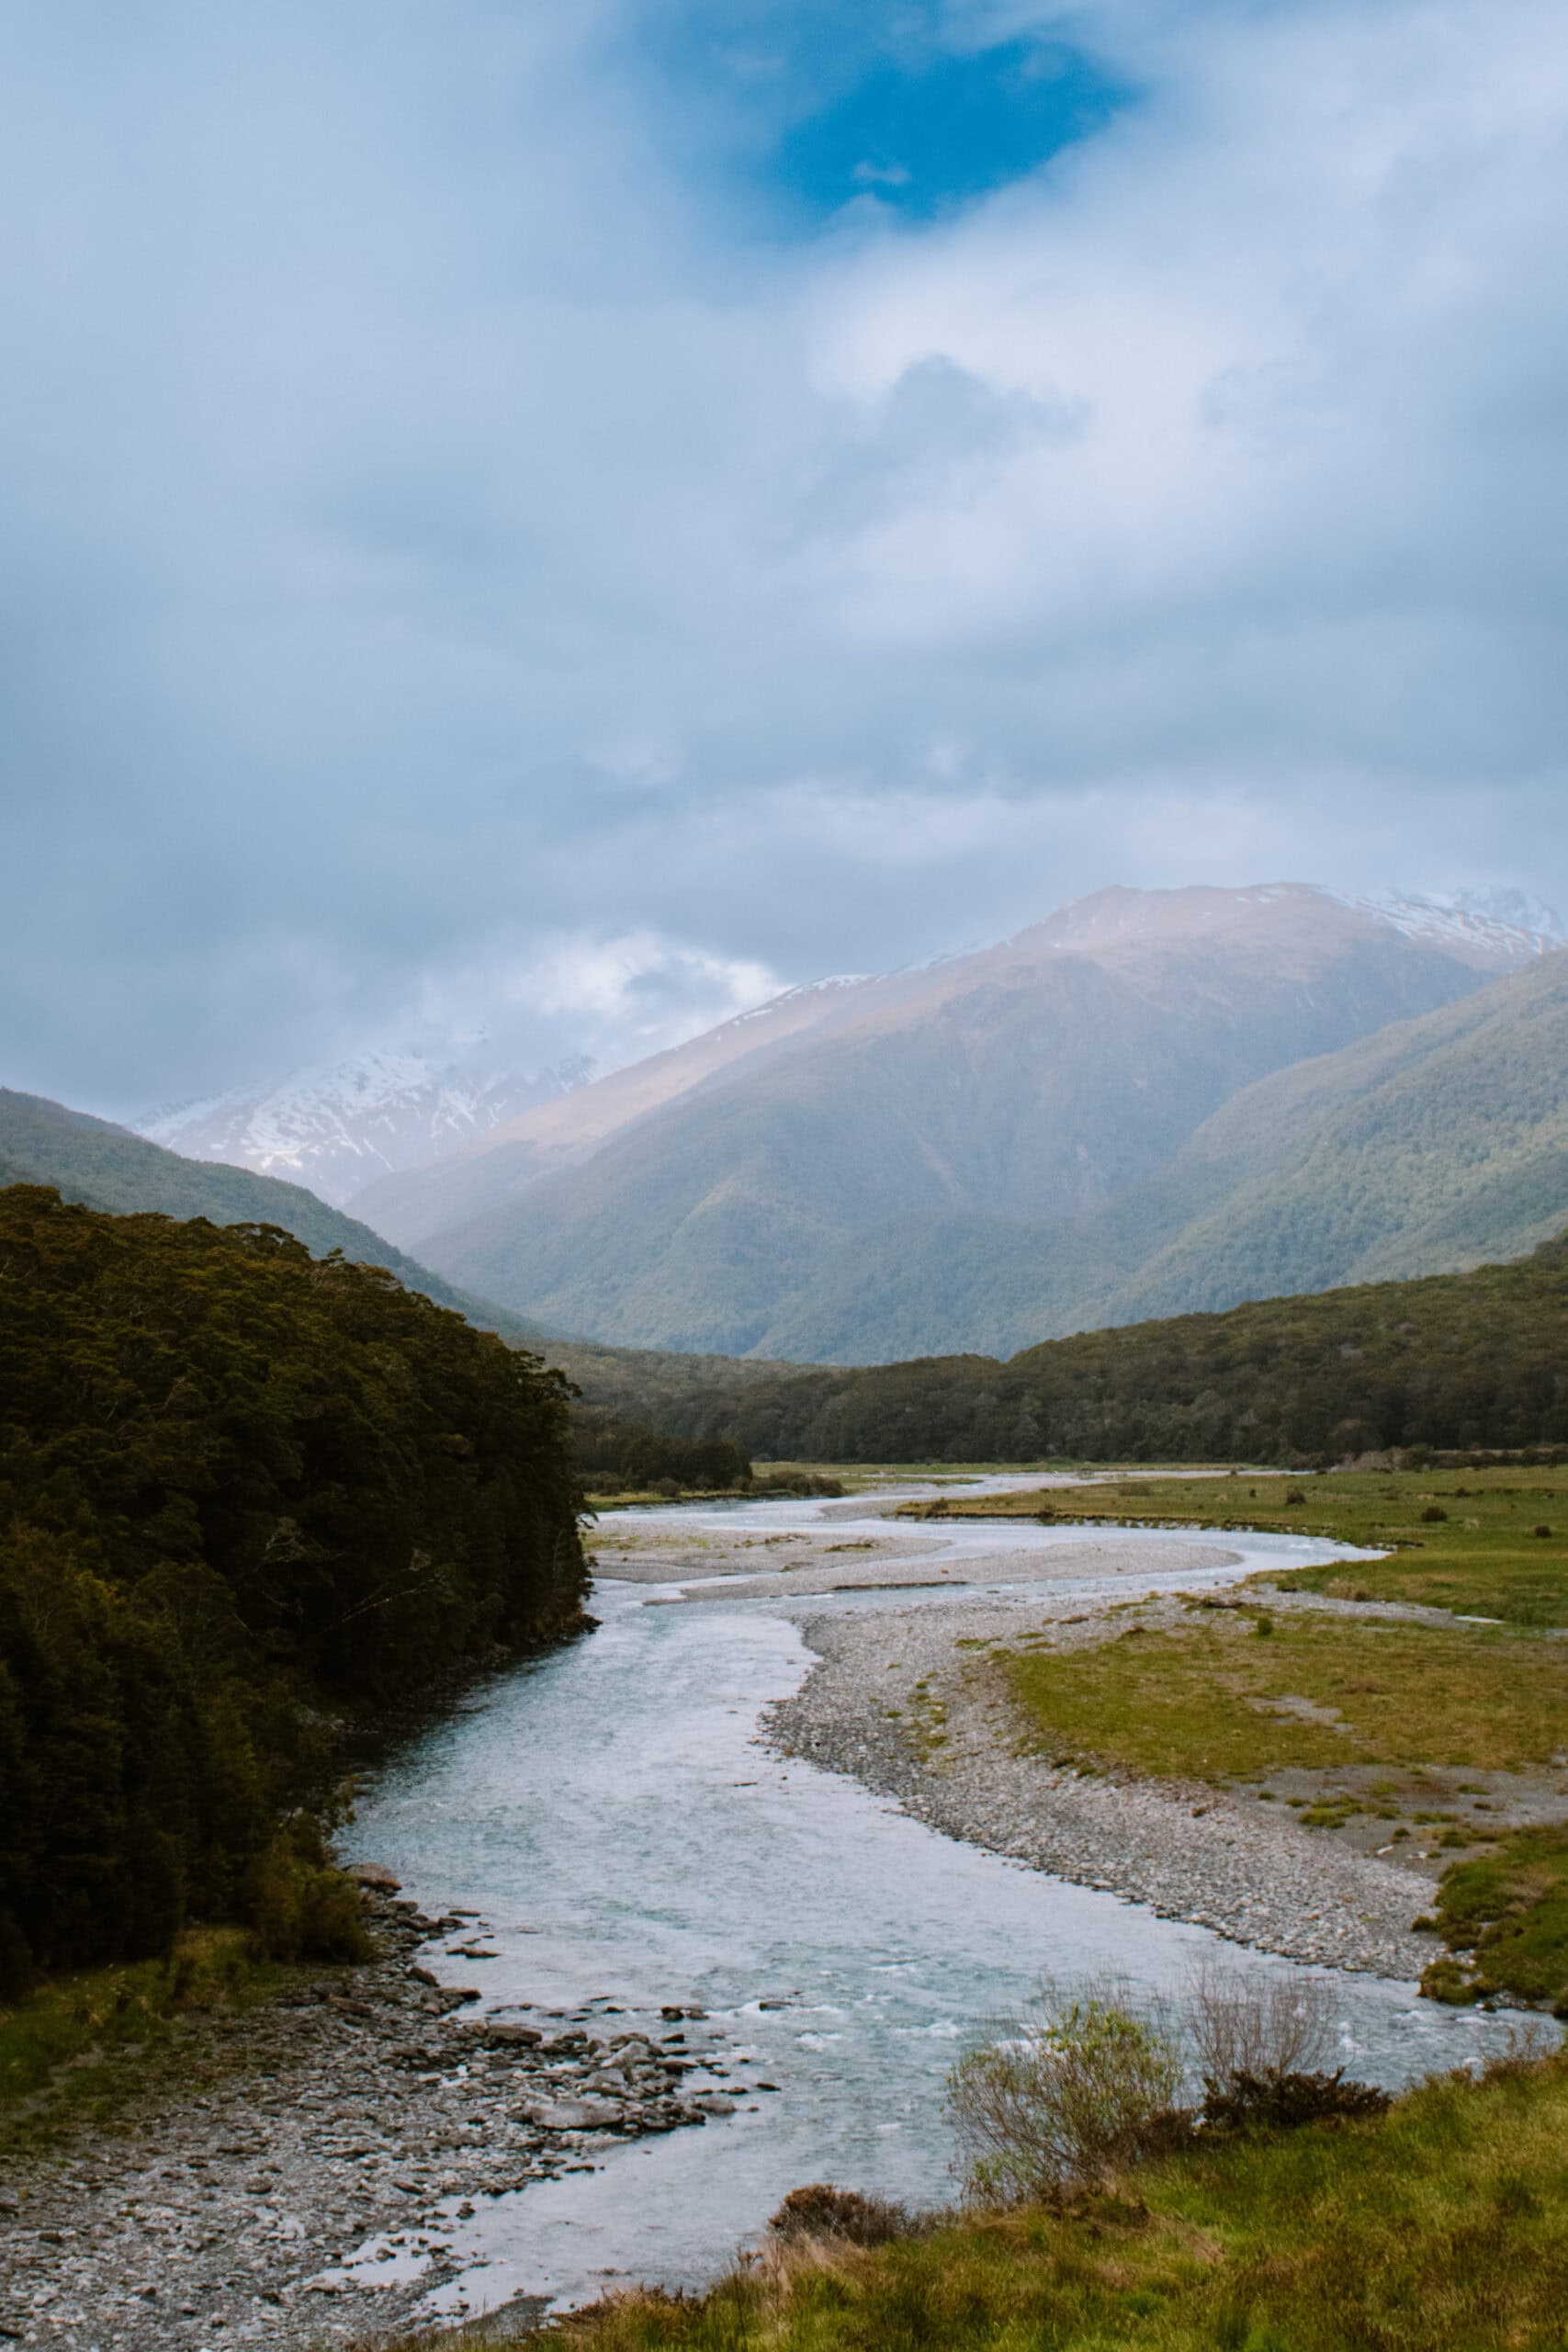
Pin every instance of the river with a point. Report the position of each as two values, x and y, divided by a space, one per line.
609 1814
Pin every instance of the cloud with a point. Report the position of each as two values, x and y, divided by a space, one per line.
457 519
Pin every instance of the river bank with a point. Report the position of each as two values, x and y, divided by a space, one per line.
301 2185
897 1702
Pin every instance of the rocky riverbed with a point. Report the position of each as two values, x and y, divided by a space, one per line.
312 2181
898 1703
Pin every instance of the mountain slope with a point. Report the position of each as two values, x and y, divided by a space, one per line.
862 1187
105 1167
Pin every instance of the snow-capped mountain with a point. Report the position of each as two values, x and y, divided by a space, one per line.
1501 928
336 1127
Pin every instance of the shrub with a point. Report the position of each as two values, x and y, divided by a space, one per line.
1279 2101
300 1907
1082 2086
821 2210
1256 2021
1433 1513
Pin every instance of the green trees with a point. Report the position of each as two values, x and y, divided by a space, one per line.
1467 1361
243 1493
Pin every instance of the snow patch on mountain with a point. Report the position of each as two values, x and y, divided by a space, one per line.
338 1127
1505 928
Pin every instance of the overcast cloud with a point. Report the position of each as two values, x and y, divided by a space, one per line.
487 515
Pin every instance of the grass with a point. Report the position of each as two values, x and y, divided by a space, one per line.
1508 1909
76 2048
1213 1700
1446 2224
1482 1558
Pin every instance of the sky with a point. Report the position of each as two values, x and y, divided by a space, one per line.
562 520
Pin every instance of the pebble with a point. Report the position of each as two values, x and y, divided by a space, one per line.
1186 1849
353 2111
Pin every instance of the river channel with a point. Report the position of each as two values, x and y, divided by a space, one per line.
626 1843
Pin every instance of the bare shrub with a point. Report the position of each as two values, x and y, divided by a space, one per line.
1256 2021
821 2210
1082 2084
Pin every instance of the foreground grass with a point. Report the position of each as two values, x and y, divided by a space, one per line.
1446 2225
1490 1543
73 2050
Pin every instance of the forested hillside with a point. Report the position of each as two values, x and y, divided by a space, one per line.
245 1494
106 1167
1477 1360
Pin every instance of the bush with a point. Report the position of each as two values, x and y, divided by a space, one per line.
1433 1513
300 1907
821 2210
1083 2086
1279 2101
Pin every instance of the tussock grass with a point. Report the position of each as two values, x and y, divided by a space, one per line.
1444 2225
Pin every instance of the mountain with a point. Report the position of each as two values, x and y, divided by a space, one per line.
927 1160
338 1127
105 1167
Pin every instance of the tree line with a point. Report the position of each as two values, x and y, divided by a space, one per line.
246 1497
1468 1361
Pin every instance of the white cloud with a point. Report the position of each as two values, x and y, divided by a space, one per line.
435 517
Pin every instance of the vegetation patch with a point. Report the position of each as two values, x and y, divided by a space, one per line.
1209 1700
246 1499
72 2047
1507 1912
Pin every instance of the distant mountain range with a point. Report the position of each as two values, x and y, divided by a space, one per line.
106 1167
336 1127
1073 1128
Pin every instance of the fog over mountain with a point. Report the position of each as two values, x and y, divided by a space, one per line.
924 1161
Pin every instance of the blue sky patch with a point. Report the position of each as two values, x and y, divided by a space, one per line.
926 134
811 106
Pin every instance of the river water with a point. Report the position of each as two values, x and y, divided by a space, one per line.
608 1812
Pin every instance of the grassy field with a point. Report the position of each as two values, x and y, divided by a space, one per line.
1444 2225
1238 1694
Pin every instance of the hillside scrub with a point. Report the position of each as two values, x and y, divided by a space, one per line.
1471 1361
1443 2223
245 1496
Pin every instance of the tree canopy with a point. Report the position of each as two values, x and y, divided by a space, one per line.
244 1495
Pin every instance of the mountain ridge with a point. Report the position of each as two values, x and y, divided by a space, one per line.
849 1191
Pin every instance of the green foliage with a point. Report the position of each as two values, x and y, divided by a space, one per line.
1469 1361
1285 2099
241 1492
1508 1911
1075 2092
105 1167
624 1457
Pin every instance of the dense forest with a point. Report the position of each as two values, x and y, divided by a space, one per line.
628 1457
1473 1361
106 1166
246 1495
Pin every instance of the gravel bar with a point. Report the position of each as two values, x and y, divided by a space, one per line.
1188 1851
